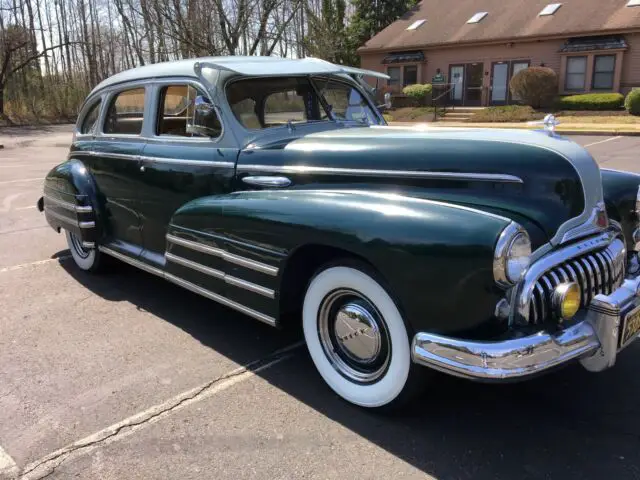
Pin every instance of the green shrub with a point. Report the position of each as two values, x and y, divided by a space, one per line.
591 101
420 94
535 86
508 113
632 103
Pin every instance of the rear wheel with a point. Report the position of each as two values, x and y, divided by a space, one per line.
88 259
357 338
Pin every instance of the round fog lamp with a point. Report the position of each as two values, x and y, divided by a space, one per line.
566 300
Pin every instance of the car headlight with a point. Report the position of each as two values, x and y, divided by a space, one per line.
512 255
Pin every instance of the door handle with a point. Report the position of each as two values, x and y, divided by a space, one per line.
267 181
142 169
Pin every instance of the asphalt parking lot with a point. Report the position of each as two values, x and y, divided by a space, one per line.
124 376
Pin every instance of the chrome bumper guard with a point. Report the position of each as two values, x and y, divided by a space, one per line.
594 341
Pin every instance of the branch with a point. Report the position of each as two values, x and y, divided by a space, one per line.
36 56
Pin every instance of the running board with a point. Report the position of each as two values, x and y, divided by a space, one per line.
190 286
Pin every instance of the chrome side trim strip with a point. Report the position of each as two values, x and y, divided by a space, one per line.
229 257
220 299
252 287
190 286
90 224
68 205
236 282
173 160
132 261
212 272
306 169
62 218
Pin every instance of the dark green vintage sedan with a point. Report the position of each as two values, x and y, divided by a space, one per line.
274 187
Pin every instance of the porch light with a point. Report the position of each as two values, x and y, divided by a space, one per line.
550 9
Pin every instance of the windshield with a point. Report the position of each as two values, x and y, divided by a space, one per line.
271 102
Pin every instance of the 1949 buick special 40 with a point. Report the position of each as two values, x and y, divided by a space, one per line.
274 187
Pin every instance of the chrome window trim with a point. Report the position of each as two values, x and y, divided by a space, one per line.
190 286
68 205
308 169
229 257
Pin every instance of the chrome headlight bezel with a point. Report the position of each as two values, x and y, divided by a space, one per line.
503 255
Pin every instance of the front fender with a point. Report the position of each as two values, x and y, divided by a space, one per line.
71 201
620 190
436 258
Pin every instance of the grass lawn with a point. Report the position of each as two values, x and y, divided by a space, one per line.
520 113
412 114
598 119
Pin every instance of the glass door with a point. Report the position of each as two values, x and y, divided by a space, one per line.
473 84
456 76
499 80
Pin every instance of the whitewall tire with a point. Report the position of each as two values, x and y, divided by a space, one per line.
87 259
356 337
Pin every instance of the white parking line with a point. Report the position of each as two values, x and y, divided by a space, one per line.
8 468
602 141
132 424
39 262
27 208
39 179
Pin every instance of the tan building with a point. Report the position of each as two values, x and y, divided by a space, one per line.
476 46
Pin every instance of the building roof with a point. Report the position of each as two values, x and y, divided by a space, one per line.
253 66
446 22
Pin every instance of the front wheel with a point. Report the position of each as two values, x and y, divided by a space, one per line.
357 338
88 259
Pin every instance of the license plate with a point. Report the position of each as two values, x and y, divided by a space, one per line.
630 326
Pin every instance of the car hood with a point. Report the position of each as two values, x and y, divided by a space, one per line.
546 182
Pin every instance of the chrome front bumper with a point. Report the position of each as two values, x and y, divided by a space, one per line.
594 341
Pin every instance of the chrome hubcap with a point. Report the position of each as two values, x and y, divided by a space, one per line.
354 336
77 246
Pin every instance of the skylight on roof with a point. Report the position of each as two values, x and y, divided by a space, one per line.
550 9
415 25
633 3
478 17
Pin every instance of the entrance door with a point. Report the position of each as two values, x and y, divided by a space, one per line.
473 84
517 66
456 76
499 83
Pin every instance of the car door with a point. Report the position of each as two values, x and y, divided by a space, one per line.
179 166
113 164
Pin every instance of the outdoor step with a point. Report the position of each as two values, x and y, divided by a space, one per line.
458 116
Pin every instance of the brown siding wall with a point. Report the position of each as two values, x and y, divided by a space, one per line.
537 52
631 64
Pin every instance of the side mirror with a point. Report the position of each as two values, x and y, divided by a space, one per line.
387 103
205 118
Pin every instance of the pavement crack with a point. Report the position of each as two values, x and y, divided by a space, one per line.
55 459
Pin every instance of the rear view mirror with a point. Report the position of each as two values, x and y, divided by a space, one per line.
205 118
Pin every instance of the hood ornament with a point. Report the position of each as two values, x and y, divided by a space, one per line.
550 122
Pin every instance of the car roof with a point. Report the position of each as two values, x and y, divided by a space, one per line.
250 66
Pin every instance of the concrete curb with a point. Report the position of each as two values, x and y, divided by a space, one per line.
560 131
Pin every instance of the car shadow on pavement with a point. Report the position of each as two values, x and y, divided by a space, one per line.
568 424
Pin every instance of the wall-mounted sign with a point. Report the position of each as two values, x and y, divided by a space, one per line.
438 78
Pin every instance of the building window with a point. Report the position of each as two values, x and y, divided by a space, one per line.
410 76
394 73
603 71
576 73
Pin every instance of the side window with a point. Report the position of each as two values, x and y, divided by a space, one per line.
282 107
91 118
125 113
176 112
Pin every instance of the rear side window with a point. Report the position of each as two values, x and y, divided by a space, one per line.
91 118
177 110
125 113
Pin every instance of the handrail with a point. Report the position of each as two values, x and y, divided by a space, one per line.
435 100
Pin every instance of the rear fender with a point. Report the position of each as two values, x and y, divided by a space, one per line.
436 258
71 202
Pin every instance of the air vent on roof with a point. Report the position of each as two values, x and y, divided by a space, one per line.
550 9
633 3
415 25
478 17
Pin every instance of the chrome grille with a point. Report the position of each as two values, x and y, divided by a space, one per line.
597 272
